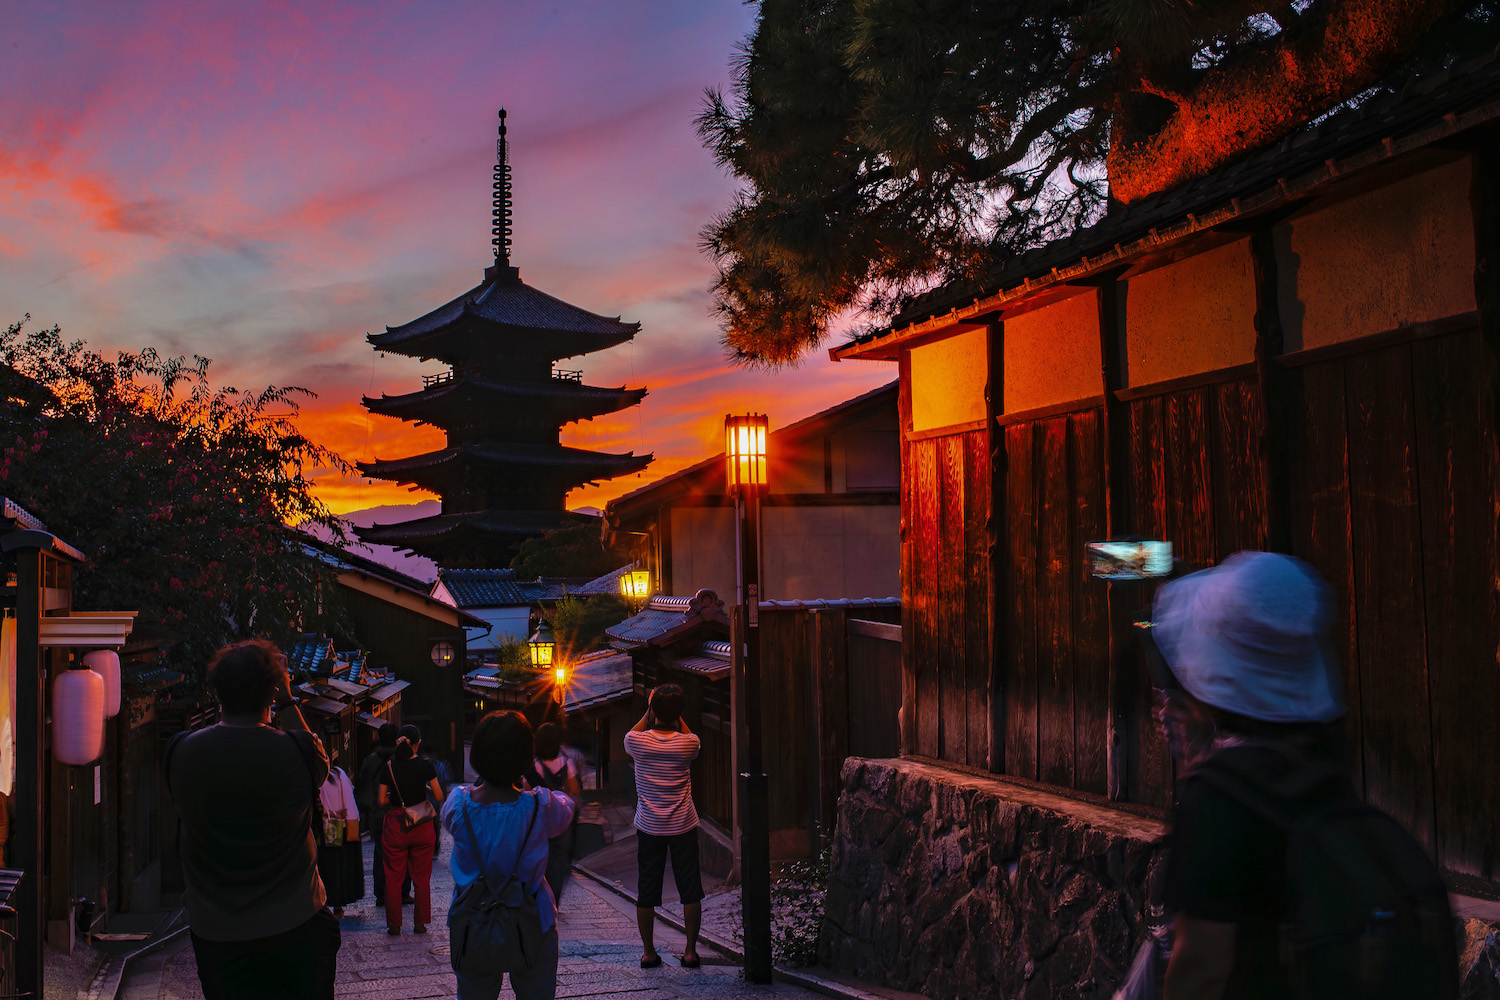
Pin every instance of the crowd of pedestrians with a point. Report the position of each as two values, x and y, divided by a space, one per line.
272 828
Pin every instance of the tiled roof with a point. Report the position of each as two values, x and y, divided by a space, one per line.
389 690
845 603
572 400
529 458
484 588
1425 111
511 303
664 619
554 588
600 679
712 660
609 583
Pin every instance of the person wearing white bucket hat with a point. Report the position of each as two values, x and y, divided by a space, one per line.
1260 909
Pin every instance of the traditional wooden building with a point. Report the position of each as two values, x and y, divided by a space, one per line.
830 518
1299 353
503 475
414 642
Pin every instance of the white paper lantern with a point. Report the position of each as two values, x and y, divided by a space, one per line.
78 717
106 663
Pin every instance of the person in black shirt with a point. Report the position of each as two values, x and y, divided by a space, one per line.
1247 642
245 792
372 816
409 789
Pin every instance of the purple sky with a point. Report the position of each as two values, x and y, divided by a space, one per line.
264 184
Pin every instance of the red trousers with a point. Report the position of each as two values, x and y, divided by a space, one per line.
408 852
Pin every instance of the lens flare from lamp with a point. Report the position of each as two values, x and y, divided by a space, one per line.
745 450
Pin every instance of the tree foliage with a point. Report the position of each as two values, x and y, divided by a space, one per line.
887 145
578 624
572 551
180 494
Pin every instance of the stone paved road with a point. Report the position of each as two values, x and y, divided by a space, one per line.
600 957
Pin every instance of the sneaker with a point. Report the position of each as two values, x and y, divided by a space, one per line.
419 929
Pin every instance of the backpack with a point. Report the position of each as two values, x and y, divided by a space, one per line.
495 927
1367 911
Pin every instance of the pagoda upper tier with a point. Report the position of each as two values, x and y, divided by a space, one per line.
458 467
503 314
459 396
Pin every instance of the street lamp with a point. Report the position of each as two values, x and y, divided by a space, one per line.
543 646
745 478
635 585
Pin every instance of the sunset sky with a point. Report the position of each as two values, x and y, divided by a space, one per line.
264 184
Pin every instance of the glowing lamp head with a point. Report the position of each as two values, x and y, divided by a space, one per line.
635 585
542 647
745 451
560 673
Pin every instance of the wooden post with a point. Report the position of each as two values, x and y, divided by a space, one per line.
1272 384
999 556
1115 428
29 833
908 562
830 656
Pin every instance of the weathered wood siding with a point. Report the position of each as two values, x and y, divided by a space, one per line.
946 508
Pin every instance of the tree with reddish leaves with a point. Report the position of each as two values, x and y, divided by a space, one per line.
181 494
889 145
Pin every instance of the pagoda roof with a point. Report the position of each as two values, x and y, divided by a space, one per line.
575 463
569 399
502 303
492 523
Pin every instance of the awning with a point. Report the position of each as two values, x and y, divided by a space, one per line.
325 706
86 628
390 690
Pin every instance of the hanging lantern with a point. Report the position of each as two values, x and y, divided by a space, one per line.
635 585
106 663
542 646
745 451
78 717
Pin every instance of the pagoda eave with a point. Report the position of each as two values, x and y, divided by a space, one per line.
453 401
474 337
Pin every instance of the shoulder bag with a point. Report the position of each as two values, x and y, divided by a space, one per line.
410 816
495 927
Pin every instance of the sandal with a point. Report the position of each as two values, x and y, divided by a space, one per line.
650 963
690 963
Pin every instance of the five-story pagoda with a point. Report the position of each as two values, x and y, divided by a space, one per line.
504 474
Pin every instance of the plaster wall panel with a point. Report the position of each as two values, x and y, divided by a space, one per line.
1190 316
948 379
867 455
506 624
1052 355
830 552
798 469
1392 257
703 551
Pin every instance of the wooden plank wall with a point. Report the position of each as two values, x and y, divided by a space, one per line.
1054 639
946 633
1395 476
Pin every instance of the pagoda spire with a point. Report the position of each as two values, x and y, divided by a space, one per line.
500 211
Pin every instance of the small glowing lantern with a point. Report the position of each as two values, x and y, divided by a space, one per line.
745 450
635 585
561 673
542 647
77 717
106 663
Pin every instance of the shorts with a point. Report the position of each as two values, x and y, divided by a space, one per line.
651 865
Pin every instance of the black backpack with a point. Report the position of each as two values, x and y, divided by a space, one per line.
1367 911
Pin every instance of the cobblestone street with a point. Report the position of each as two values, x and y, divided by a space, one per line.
600 956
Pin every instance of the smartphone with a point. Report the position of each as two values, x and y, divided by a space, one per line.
1129 560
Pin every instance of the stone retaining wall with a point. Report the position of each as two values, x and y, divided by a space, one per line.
954 884
962 885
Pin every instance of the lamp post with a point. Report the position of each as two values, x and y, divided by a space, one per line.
745 474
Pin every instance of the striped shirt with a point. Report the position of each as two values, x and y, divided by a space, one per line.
663 781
